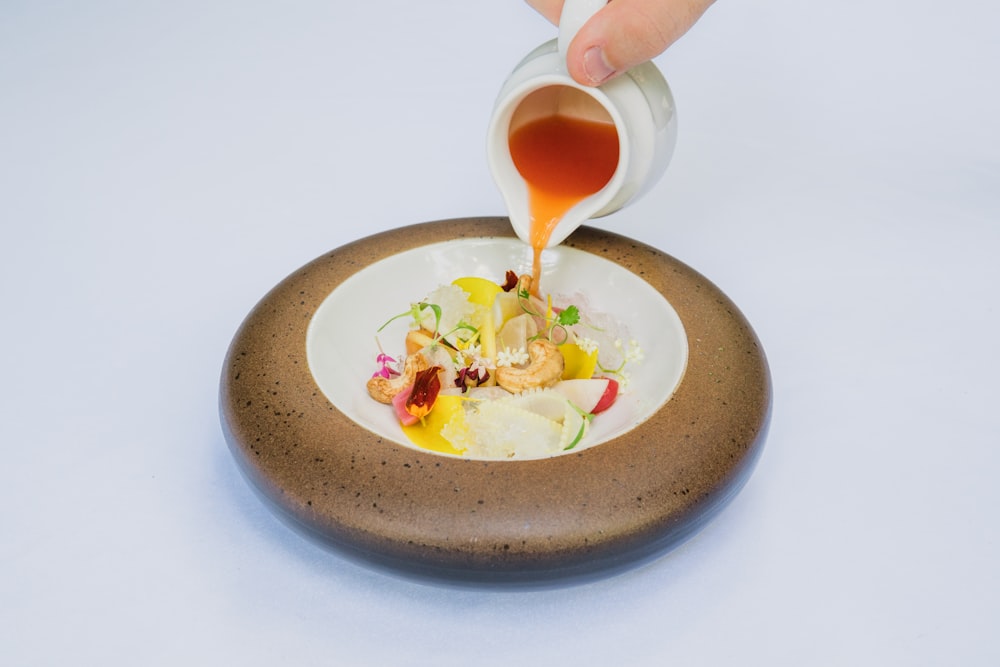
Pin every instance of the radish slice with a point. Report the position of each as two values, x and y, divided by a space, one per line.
399 405
592 395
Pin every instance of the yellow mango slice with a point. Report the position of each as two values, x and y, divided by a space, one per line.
579 364
427 433
481 290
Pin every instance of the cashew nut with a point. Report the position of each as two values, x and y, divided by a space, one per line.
544 370
384 389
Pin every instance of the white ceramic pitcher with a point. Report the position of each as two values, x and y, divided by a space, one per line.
638 102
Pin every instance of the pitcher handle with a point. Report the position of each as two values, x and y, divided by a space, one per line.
574 14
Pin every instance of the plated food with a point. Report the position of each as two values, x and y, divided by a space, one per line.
620 315
496 370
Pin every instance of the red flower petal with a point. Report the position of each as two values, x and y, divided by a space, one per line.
426 386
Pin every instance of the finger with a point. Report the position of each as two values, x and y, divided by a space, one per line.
627 33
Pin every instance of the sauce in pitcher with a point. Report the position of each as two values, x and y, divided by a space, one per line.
563 160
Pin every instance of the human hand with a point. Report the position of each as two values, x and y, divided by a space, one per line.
623 34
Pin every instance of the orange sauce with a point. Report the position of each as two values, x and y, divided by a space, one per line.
563 160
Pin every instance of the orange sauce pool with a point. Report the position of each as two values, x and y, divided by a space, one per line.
563 160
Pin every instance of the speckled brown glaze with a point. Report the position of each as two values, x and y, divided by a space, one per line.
577 515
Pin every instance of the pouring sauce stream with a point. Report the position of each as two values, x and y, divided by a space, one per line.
563 160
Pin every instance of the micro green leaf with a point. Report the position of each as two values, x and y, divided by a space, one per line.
568 316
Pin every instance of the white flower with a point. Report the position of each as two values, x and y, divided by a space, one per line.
464 357
479 364
508 357
587 345
634 353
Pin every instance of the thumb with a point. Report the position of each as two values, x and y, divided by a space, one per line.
627 33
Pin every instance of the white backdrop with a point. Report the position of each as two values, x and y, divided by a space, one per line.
164 164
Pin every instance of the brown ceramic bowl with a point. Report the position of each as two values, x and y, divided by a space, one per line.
586 513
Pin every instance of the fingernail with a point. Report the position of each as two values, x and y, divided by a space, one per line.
596 66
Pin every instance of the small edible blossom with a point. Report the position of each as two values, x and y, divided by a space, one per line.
467 352
471 367
633 353
480 365
471 358
624 378
588 345
387 369
470 376
508 357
